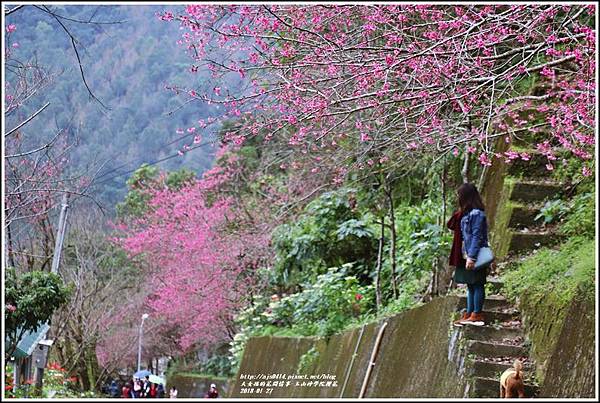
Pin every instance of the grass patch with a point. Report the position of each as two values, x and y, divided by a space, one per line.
558 270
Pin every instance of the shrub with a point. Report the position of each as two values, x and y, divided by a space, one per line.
580 221
552 211
323 308
31 300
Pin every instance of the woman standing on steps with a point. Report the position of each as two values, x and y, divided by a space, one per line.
470 234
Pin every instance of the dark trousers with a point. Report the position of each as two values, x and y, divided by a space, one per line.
475 297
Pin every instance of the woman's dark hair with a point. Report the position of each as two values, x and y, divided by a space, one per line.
469 198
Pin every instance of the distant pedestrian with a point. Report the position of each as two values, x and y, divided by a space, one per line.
137 388
161 391
114 389
146 387
125 391
212 393
153 392
173 392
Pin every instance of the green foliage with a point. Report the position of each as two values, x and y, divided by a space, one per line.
57 384
321 309
218 365
409 291
145 179
572 172
178 179
581 220
559 271
307 360
420 238
329 233
552 211
136 201
31 299
324 307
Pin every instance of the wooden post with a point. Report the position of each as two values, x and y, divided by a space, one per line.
363 390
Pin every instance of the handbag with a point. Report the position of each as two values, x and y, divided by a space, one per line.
484 257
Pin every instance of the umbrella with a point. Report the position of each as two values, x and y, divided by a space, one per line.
142 374
156 379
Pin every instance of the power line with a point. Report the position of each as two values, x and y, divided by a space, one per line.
151 163
138 161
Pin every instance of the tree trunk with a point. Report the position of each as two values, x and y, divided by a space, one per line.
91 364
445 274
444 177
11 255
465 169
392 243
378 299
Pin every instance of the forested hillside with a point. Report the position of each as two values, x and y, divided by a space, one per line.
135 127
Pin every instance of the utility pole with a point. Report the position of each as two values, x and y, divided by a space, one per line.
60 237
139 360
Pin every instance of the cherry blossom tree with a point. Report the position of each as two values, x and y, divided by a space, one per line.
382 84
199 249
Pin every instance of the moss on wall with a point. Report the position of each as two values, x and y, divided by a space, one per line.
500 233
571 368
562 344
560 324
557 291
413 359
543 317
493 183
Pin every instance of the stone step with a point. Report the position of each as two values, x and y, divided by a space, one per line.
491 302
498 316
495 284
494 349
534 191
524 217
491 334
525 139
492 316
535 167
529 240
493 370
490 388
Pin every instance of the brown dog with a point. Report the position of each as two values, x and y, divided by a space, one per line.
511 381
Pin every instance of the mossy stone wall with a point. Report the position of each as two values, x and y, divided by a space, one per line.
495 192
413 358
571 369
562 336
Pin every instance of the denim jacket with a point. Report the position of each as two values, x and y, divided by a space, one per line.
474 232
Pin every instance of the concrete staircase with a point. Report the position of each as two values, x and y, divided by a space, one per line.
492 348
529 196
